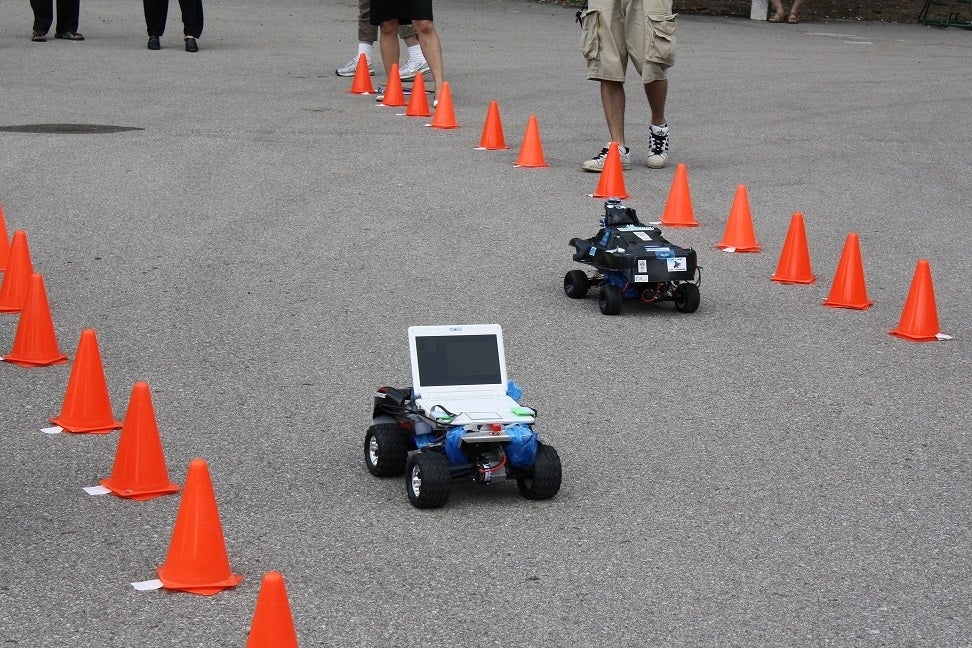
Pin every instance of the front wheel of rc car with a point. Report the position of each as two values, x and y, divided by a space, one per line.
427 480
687 298
576 284
385 450
609 299
545 482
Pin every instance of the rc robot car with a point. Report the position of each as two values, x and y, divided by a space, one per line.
432 438
633 260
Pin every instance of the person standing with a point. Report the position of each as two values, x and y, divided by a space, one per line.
389 14
192 22
643 31
68 12
368 35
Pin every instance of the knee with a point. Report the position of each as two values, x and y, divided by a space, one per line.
424 27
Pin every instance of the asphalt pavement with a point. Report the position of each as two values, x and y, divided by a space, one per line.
253 240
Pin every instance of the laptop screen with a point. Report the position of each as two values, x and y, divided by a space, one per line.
446 360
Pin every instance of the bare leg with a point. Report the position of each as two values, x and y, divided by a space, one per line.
657 92
432 50
795 9
388 40
613 100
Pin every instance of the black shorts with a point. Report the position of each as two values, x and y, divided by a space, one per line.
405 11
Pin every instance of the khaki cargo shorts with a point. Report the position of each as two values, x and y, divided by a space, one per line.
615 31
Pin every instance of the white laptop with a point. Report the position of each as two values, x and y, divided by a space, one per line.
460 371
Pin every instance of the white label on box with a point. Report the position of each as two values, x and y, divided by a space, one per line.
677 264
642 265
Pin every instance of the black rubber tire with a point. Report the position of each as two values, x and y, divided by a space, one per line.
385 450
609 299
576 284
687 298
547 474
427 479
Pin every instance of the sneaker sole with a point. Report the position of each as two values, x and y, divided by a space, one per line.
351 74
625 166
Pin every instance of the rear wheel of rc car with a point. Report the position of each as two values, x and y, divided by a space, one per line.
576 284
609 299
427 479
385 450
687 298
545 482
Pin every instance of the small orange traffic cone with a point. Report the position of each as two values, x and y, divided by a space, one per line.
16 277
531 150
418 103
35 343
678 208
361 84
492 138
139 471
87 406
794 264
273 623
611 181
4 242
197 561
848 289
739 235
394 95
919 318
444 116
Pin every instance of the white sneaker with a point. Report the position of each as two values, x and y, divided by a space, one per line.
658 146
349 68
596 164
408 71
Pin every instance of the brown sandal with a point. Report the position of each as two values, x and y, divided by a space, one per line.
778 17
793 19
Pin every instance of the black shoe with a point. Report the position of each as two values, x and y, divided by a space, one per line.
75 36
154 43
38 36
191 45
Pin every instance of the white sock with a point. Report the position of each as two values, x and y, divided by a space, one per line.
415 54
366 49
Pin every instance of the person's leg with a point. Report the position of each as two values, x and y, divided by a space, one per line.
779 13
192 18
432 50
388 43
68 14
795 9
155 15
657 93
613 101
43 14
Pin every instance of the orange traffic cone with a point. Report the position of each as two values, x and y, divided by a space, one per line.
919 319
394 95
139 471
16 277
444 116
531 150
848 289
611 180
492 138
4 242
418 103
794 264
273 623
678 208
197 560
35 343
361 84
87 407
739 235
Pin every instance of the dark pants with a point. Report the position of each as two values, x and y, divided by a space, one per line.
156 11
67 15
